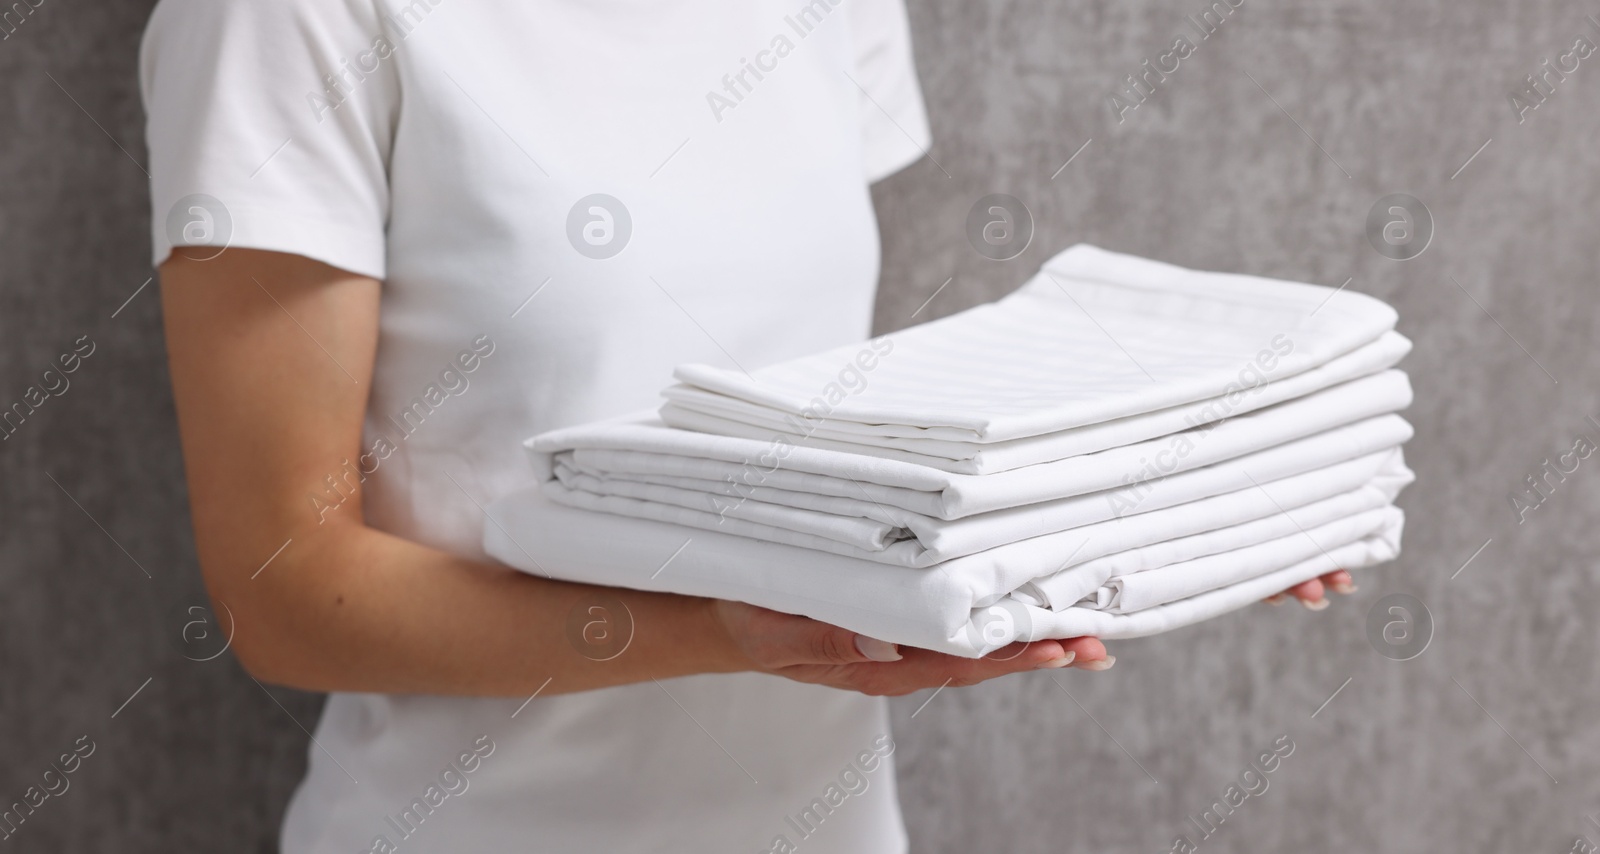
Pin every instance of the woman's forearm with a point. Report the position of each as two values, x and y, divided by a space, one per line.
272 358
351 608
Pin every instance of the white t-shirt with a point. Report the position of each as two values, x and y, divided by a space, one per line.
444 149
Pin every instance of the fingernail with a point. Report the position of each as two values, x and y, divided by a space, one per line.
1099 665
1276 600
1345 587
1316 604
877 650
1063 661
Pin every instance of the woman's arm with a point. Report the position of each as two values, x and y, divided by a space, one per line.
271 357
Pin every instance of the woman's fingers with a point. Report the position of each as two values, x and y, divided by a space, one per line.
1312 593
811 651
1078 652
1082 653
919 669
926 669
1309 593
877 650
1089 654
1339 581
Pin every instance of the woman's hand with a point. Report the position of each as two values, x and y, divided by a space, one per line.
808 651
1312 593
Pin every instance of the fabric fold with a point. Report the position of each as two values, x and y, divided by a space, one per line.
1125 594
959 607
643 445
690 408
1093 337
789 498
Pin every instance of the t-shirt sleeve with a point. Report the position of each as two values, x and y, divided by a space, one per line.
269 125
894 122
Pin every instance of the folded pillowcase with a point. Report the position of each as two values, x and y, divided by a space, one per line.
1131 462
691 408
1095 336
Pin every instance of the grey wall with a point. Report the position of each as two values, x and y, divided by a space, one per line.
1211 173
200 759
1459 748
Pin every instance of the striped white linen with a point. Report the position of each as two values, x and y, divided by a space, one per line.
691 408
1095 336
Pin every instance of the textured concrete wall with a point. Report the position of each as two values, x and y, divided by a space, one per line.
96 562
1356 99
1351 100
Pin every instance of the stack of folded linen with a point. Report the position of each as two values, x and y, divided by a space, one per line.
1119 448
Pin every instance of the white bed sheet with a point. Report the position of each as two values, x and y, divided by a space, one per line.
865 518
953 608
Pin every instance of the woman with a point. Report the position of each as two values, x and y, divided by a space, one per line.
396 239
